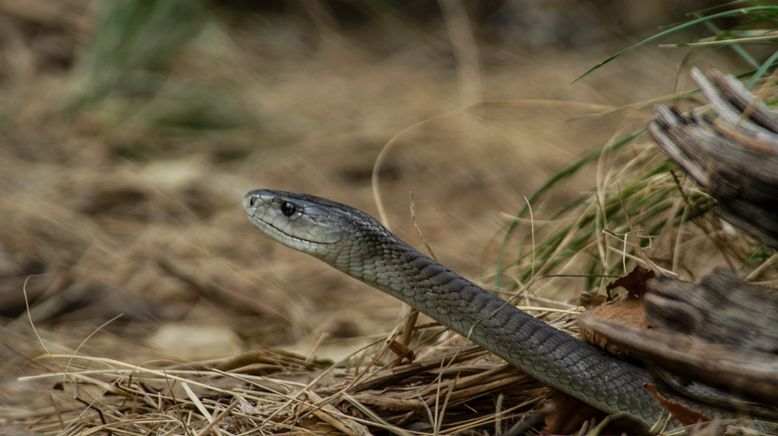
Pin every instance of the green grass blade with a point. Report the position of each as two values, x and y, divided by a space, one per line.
762 69
557 178
731 13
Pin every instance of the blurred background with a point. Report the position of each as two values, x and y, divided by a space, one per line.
130 130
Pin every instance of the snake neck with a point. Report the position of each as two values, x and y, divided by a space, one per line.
384 261
547 354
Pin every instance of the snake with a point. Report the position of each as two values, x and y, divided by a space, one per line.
357 244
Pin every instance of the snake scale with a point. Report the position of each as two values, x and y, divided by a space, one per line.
358 245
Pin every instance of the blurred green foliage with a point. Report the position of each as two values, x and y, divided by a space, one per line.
134 45
756 18
133 72
643 201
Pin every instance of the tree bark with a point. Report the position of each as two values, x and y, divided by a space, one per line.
733 157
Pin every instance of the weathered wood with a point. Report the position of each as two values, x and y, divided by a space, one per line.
733 157
720 332
747 373
722 308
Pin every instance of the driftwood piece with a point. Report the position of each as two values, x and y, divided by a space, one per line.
722 309
720 332
733 157
747 373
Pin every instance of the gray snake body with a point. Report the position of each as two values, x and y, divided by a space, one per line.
355 243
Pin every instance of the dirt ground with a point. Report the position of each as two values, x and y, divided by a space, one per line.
123 234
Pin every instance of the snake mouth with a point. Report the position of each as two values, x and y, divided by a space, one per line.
283 236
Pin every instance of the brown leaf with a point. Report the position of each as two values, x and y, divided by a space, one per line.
634 282
680 412
629 313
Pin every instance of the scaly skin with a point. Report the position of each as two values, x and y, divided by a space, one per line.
355 243
547 354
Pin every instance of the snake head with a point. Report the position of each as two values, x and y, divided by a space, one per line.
306 223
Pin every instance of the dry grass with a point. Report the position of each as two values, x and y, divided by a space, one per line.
279 392
121 220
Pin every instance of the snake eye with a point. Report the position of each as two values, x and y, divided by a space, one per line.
288 208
